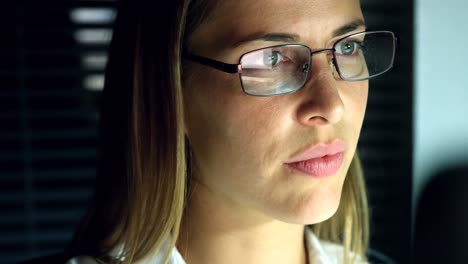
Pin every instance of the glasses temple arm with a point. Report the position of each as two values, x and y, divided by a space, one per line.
225 67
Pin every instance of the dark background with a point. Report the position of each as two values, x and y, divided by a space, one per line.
49 96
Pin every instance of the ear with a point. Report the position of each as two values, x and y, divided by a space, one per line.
185 117
185 130
184 124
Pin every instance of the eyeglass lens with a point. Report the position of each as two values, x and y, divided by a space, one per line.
284 69
275 70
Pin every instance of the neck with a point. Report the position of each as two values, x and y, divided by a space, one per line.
214 230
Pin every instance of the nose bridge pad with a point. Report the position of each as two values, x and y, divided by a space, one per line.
306 68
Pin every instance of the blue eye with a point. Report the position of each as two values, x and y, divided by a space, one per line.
273 58
349 48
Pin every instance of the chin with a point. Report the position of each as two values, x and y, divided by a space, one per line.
312 212
321 217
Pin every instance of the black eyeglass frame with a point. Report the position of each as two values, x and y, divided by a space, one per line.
237 68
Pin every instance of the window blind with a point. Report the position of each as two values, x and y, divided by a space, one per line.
51 74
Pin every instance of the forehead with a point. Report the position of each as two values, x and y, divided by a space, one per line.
311 20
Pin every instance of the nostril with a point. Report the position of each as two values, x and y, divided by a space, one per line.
317 121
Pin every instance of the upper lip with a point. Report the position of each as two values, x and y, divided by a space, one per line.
319 150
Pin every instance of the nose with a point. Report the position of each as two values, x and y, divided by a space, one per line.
321 102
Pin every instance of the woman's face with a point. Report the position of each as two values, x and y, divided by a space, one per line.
241 143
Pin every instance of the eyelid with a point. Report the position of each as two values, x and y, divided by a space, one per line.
333 41
255 45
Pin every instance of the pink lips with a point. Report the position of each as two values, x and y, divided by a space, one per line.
320 160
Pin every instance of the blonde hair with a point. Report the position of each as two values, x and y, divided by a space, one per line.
143 152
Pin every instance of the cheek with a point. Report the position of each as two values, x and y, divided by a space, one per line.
225 127
354 96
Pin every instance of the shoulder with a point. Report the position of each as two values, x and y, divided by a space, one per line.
58 258
174 258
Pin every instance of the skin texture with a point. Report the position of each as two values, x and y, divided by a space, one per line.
246 206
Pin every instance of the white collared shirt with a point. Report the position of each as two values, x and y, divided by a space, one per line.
319 251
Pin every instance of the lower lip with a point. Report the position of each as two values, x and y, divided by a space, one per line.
319 167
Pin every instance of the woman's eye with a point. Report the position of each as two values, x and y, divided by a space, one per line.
272 58
349 48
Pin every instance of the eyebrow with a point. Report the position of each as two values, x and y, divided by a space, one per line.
270 37
288 37
349 27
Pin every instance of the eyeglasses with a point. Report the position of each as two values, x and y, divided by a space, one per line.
285 69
